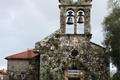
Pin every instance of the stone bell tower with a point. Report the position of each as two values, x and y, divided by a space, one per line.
68 53
76 13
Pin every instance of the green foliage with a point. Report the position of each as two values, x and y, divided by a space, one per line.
112 37
113 4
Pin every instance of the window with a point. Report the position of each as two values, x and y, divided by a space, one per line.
74 53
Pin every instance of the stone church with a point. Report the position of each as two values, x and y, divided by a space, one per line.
68 53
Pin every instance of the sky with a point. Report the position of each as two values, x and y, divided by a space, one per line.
25 22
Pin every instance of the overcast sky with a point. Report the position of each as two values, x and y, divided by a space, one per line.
24 22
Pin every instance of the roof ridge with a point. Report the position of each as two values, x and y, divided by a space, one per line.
17 53
29 54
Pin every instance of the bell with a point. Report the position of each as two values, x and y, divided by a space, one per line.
80 20
80 14
70 21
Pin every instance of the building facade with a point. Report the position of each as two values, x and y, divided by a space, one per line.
68 54
23 66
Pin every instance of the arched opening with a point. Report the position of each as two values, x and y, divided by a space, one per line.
69 21
80 22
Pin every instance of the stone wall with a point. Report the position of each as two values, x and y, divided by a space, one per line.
23 69
56 57
77 2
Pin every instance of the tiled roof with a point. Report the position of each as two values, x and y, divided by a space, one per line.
23 55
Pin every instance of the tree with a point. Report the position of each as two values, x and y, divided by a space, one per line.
112 34
113 3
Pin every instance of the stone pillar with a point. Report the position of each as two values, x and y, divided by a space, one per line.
87 21
62 20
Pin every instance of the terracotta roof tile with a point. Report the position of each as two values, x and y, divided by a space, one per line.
23 55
